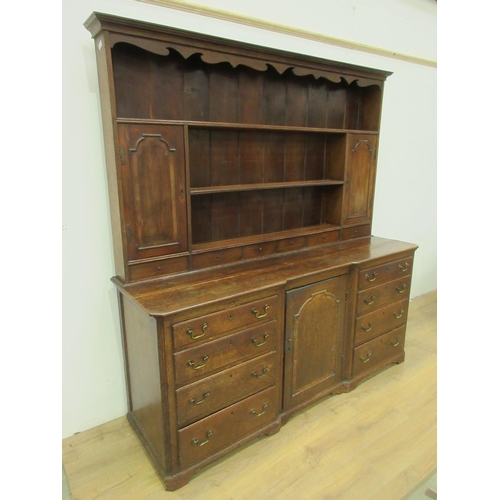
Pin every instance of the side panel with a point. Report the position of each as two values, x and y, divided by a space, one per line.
143 374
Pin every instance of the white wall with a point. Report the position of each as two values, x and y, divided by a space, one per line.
405 200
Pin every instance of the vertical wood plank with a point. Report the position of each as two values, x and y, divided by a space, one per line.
317 104
166 87
296 102
199 157
295 156
274 98
250 90
132 83
196 92
223 94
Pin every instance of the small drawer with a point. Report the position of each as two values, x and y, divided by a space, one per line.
378 296
216 258
291 244
378 351
213 393
209 357
156 268
349 233
259 250
380 321
207 327
322 238
226 427
373 276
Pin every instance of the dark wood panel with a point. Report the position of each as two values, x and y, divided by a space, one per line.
296 102
166 74
274 98
196 95
132 83
223 94
250 99
313 339
317 100
295 156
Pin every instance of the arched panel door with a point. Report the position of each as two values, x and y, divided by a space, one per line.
153 189
360 178
313 340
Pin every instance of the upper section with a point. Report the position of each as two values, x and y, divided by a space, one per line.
159 40
220 152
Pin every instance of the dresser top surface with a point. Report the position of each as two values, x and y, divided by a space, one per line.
173 294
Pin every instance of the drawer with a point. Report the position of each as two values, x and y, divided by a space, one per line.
216 258
226 427
380 321
373 298
203 328
349 233
215 392
373 276
259 250
379 350
209 357
291 244
322 238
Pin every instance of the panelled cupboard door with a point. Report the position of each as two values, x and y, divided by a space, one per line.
313 340
153 189
360 178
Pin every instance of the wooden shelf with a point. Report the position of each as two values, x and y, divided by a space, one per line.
267 185
244 126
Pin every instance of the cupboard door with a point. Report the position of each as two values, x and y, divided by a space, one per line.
313 342
153 189
360 178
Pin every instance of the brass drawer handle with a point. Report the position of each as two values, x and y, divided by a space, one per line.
255 340
395 343
264 370
190 331
197 442
191 363
404 269
398 315
373 278
370 301
402 289
264 408
256 312
367 328
194 402
365 360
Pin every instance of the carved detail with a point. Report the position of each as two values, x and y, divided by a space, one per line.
145 136
163 48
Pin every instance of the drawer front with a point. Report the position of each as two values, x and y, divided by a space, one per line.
226 427
380 321
215 392
322 238
356 232
259 250
291 244
373 276
216 258
203 328
209 357
373 298
378 350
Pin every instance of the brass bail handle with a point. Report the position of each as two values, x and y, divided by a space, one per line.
190 332
371 278
256 312
197 442
264 408
191 363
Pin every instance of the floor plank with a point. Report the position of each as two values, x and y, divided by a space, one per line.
377 442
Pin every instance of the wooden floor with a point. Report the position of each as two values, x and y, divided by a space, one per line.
377 442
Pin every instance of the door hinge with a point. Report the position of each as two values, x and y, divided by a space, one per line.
346 295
